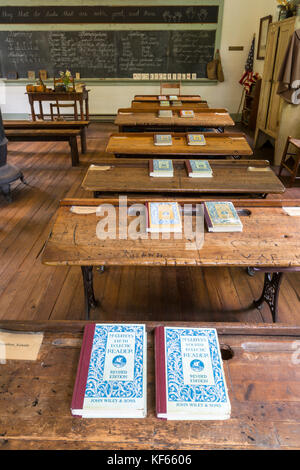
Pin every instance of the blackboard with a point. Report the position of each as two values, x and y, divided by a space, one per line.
106 54
109 14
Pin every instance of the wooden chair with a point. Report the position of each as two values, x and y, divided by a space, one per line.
291 161
58 105
170 86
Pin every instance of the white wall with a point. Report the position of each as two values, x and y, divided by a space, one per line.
241 20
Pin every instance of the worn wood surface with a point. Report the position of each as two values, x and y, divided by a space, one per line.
270 238
229 176
214 118
26 124
143 144
263 382
155 105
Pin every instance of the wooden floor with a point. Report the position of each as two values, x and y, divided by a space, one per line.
31 291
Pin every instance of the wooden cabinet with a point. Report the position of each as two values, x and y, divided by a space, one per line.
270 104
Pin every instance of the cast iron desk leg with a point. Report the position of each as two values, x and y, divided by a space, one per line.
89 297
270 293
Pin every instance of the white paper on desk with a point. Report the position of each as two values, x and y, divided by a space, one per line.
256 168
292 211
19 346
100 168
83 210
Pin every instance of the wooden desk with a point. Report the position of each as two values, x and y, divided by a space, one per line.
155 98
263 386
229 177
140 144
270 239
143 120
155 105
24 124
81 97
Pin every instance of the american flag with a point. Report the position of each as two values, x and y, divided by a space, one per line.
249 77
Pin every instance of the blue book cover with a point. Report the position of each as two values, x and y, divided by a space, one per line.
195 381
222 217
161 167
198 168
164 217
112 377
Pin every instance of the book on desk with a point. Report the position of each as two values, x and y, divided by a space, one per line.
186 113
195 139
165 113
161 168
189 378
111 376
163 139
198 169
164 103
222 217
163 217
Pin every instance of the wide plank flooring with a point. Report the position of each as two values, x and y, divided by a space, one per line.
32 291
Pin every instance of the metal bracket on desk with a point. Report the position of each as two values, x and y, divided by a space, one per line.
89 297
270 293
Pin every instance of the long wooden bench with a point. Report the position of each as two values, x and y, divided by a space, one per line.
47 135
25 124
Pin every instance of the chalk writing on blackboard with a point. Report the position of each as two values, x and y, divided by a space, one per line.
107 54
109 14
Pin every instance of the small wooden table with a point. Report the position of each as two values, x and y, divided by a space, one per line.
270 239
143 120
250 177
262 379
141 144
81 97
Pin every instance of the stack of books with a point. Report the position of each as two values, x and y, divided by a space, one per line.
111 377
161 168
165 113
187 113
198 169
163 139
173 97
162 97
190 381
163 217
196 139
222 217
176 103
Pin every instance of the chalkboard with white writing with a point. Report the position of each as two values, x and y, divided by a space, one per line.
106 54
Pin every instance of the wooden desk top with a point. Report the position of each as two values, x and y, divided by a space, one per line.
17 124
143 144
57 95
263 386
155 98
202 117
156 105
229 176
270 238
